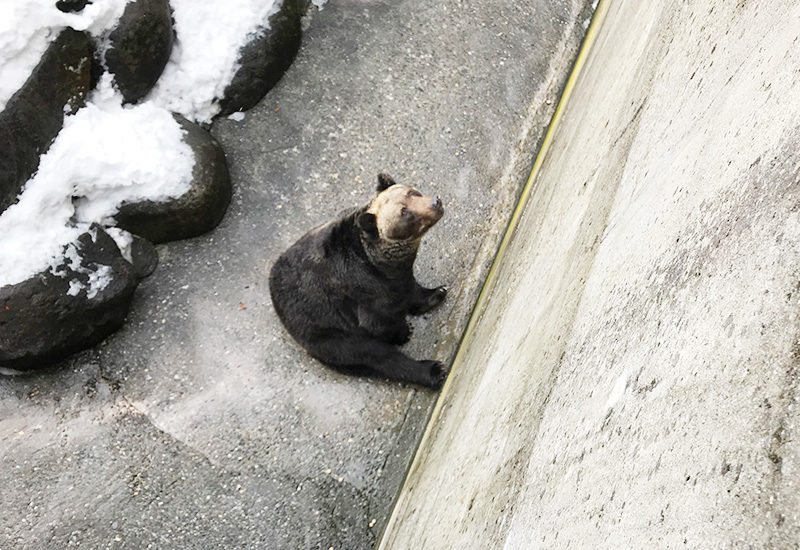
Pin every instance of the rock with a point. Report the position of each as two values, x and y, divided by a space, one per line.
69 6
195 212
140 46
35 114
40 322
143 256
265 59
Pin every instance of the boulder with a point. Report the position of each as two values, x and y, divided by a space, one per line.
143 256
72 307
265 59
195 212
69 6
35 114
139 47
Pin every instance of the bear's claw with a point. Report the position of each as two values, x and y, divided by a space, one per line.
436 373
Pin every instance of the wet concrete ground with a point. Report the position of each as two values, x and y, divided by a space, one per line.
201 424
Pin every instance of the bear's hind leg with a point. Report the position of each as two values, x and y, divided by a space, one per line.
392 329
348 350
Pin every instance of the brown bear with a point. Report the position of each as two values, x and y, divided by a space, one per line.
343 290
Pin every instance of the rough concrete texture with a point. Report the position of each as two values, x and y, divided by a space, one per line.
632 380
201 424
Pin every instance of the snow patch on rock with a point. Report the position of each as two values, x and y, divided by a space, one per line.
99 277
124 241
205 55
28 26
105 154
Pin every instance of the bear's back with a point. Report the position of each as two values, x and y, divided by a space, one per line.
309 285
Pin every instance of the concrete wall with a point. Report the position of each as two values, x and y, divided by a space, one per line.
201 424
630 378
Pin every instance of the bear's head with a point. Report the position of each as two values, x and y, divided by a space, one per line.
399 213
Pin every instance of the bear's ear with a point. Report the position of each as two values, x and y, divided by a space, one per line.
368 224
385 181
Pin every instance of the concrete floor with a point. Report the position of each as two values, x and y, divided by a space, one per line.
201 424
632 380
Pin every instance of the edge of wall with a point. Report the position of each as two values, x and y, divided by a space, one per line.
586 47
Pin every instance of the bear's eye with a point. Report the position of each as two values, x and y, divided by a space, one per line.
405 212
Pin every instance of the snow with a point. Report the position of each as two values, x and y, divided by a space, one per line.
104 155
99 278
237 116
204 57
28 26
107 153
124 241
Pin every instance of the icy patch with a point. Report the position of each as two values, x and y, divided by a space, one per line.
237 116
28 26
205 55
104 155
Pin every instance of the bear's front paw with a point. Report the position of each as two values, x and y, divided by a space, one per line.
434 373
429 299
438 296
401 335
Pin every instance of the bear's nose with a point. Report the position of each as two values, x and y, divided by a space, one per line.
436 203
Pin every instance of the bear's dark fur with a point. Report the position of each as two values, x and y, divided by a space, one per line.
343 290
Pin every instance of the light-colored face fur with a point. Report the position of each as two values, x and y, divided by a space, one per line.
402 213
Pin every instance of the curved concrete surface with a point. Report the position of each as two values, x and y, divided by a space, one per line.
201 424
630 378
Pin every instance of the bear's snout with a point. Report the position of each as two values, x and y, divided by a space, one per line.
431 214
